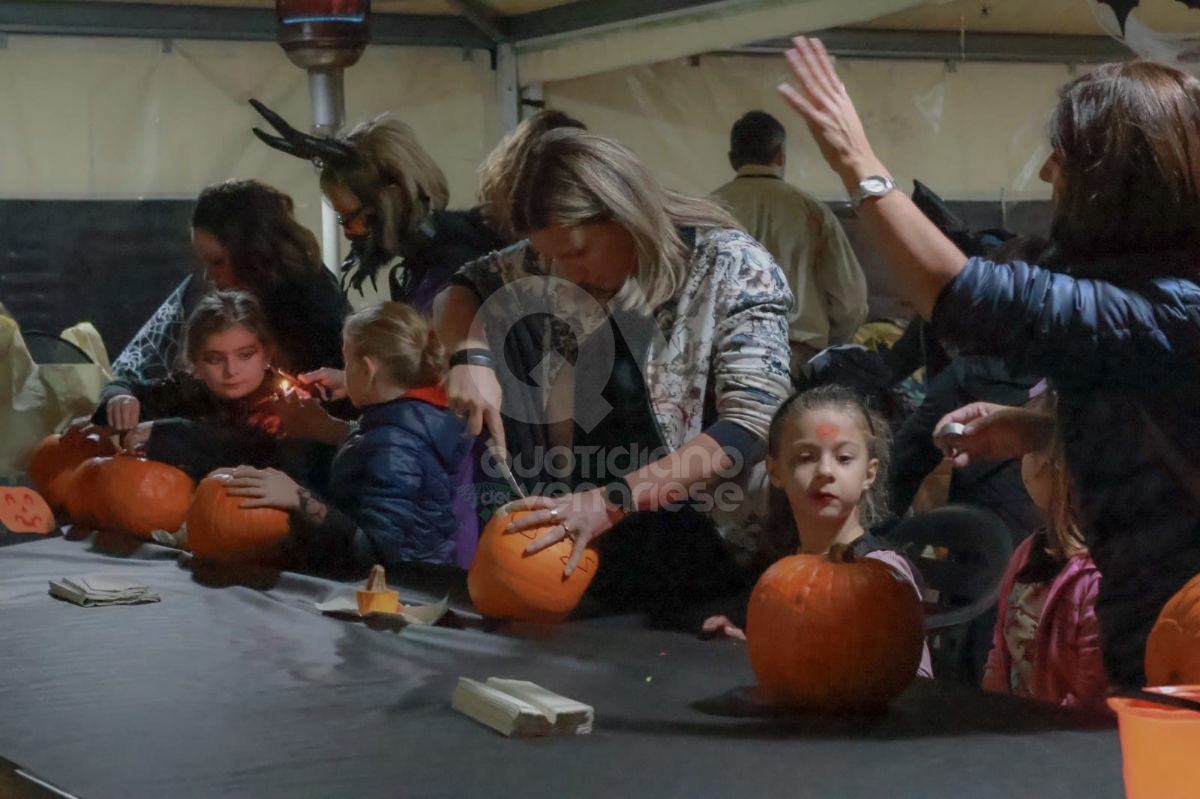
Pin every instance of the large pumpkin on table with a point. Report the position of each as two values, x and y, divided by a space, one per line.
220 529
1173 649
140 496
834 633
84 500
55 460
505 583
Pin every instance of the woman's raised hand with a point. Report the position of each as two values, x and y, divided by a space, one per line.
124 413
475 395
820 98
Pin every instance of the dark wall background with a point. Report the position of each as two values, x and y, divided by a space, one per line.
108 262
114 262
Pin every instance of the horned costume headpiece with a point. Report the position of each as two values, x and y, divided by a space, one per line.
321 151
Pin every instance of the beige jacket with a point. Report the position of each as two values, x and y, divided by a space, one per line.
808 243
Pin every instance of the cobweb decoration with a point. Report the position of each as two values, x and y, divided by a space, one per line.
154 350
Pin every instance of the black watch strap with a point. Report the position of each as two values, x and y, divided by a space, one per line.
473 357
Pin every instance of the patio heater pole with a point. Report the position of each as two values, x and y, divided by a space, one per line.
325 37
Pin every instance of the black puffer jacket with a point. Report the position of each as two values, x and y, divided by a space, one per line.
1125 360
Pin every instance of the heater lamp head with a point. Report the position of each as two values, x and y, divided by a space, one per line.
323 34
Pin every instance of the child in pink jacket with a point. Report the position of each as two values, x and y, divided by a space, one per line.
1046 644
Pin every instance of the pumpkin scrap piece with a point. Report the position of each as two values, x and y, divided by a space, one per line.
376 598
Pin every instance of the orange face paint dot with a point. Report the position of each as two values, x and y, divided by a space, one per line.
828 432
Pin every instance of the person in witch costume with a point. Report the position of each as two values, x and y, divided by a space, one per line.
391 199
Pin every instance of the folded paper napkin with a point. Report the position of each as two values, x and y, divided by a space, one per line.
94 590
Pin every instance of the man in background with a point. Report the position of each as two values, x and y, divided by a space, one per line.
802 234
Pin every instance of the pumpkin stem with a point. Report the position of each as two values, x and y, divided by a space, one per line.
840 553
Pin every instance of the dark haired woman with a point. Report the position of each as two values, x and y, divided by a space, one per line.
246 236
1111 317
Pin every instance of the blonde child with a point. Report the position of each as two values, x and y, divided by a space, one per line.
395 490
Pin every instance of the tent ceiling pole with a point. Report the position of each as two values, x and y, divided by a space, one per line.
949 46
150 21
593 16
482 17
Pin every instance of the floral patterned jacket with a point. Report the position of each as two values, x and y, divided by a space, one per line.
717 353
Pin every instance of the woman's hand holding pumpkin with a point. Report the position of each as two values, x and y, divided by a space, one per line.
582 517
265 488
822 101
124 413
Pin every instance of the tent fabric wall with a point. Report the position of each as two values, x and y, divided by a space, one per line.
971 131
91 118
718 27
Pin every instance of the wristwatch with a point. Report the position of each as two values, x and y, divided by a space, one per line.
473 357
872 186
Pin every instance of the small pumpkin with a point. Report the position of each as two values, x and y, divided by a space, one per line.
505 583
221 530
139 496
377 597
1173 649
57 457
84 499
833 632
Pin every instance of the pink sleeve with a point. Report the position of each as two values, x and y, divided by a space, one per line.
901 565
1089 684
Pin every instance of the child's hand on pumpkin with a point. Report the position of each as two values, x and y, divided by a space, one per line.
135 441
265 488
124 411
721 627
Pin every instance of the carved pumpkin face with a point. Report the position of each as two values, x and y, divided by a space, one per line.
56 459
828 633
1173 649
140 496
23 511
220 530
505 583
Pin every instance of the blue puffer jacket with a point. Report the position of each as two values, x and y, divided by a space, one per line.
1125 360
399 479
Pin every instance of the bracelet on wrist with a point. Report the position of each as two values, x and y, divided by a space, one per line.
473 357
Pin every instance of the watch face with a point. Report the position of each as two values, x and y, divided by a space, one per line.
874 185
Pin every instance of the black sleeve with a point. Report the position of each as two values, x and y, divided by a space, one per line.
336 548
907 354
177 395
198 448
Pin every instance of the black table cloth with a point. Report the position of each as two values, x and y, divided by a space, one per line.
241 692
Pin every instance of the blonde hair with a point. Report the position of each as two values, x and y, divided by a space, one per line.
402 339
1064 539
393 176
572 177
497 173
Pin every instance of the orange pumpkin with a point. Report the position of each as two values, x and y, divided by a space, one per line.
55 460
505 583
140 496
83 493
834 633
1173 649
220 529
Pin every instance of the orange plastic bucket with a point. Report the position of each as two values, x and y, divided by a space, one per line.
1159 746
